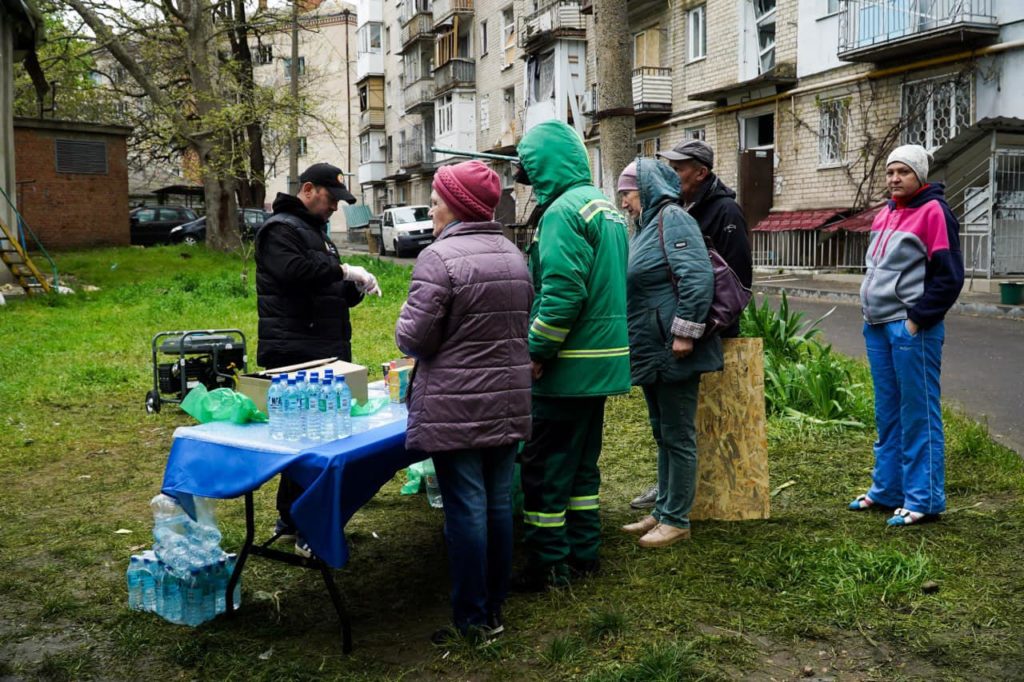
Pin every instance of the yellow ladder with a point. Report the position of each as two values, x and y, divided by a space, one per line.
20 265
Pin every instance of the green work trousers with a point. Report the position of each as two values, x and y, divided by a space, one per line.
560 480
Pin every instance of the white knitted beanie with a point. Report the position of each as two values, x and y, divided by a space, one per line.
915 156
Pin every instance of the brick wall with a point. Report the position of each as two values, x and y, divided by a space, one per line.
71 210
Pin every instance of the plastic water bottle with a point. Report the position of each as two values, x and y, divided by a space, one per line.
221 584
209 581
344 408
293 410
134 576
302 381
171 588
328 407
313 420
433 489
148 584
192 608
275 408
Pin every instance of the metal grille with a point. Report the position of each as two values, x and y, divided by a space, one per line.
810 250
832 132
1008 229
82 156
935 110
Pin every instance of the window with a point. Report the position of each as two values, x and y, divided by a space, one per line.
696 32
508 36
758 132
832 125
264 54
387 39
364 97
763 34
288 67
369 38
364 149
444 115
540 77
485 112
145 215
301 143
694 133
391 149
82 156
483 38
647 48
935 110
508 114
648 147
831 6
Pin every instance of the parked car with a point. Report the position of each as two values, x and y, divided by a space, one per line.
153 224
405 230
249 220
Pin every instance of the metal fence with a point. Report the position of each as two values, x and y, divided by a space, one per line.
810 250
864 23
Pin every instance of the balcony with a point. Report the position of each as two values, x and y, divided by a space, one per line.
560 19
369 119
371 172
652 92
419 27
414 156
460 72
444 10
369 64
883 30
418 95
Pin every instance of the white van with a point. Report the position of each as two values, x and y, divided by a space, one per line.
406 230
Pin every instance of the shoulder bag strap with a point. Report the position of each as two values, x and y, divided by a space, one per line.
661 239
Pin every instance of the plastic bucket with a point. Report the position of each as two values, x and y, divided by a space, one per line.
1010 292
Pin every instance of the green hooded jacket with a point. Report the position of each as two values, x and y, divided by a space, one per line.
656 312
578 265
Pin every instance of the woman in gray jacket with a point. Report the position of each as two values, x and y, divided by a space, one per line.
669 288
466 322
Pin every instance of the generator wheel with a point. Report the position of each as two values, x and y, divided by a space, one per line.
152 402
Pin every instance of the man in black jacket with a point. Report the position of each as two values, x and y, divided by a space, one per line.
713 205
303 289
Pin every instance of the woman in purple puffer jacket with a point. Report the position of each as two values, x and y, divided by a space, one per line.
466 322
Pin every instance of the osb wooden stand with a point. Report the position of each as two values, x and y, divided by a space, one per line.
732 444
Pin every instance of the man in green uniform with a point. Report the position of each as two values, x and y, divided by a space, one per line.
579 346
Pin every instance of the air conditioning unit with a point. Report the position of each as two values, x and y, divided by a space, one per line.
588 103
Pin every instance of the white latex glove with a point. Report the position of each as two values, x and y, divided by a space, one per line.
362 278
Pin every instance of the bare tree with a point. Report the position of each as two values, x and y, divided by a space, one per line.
614 90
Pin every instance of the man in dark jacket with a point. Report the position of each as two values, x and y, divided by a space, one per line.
713 205
303 289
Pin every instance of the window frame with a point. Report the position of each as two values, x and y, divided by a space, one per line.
833 132
699 14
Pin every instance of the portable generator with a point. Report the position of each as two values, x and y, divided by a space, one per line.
211 357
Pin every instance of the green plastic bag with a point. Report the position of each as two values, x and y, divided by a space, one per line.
371 406
221 405
414 478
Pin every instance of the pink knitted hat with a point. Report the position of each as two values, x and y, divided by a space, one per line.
470 189
627 179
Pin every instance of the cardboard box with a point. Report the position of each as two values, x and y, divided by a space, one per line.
255 385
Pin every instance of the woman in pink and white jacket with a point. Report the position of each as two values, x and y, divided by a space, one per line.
914 275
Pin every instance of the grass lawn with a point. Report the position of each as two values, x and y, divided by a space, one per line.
815 591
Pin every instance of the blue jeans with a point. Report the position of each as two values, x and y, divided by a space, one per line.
476 489
910 467
672 409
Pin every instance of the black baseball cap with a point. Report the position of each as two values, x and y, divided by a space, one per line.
697 150
331 177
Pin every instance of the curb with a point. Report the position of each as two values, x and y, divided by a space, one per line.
980 309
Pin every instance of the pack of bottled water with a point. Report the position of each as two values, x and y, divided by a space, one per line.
184 578
306 406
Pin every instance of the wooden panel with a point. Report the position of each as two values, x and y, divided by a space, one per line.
732 443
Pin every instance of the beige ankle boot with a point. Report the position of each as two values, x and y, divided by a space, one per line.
640 527
663 536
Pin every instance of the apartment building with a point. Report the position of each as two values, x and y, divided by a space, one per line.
803 99
327 66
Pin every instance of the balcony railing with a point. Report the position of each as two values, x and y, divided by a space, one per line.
876 30
420 27
558 19
459 72
413 154
443 9
371 118
418 94
652 90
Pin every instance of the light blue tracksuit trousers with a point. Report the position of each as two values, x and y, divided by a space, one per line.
910 468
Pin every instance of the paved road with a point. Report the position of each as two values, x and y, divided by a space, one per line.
982 363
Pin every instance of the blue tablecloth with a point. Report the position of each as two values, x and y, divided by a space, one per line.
225 460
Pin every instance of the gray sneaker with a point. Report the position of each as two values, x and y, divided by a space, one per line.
645 500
